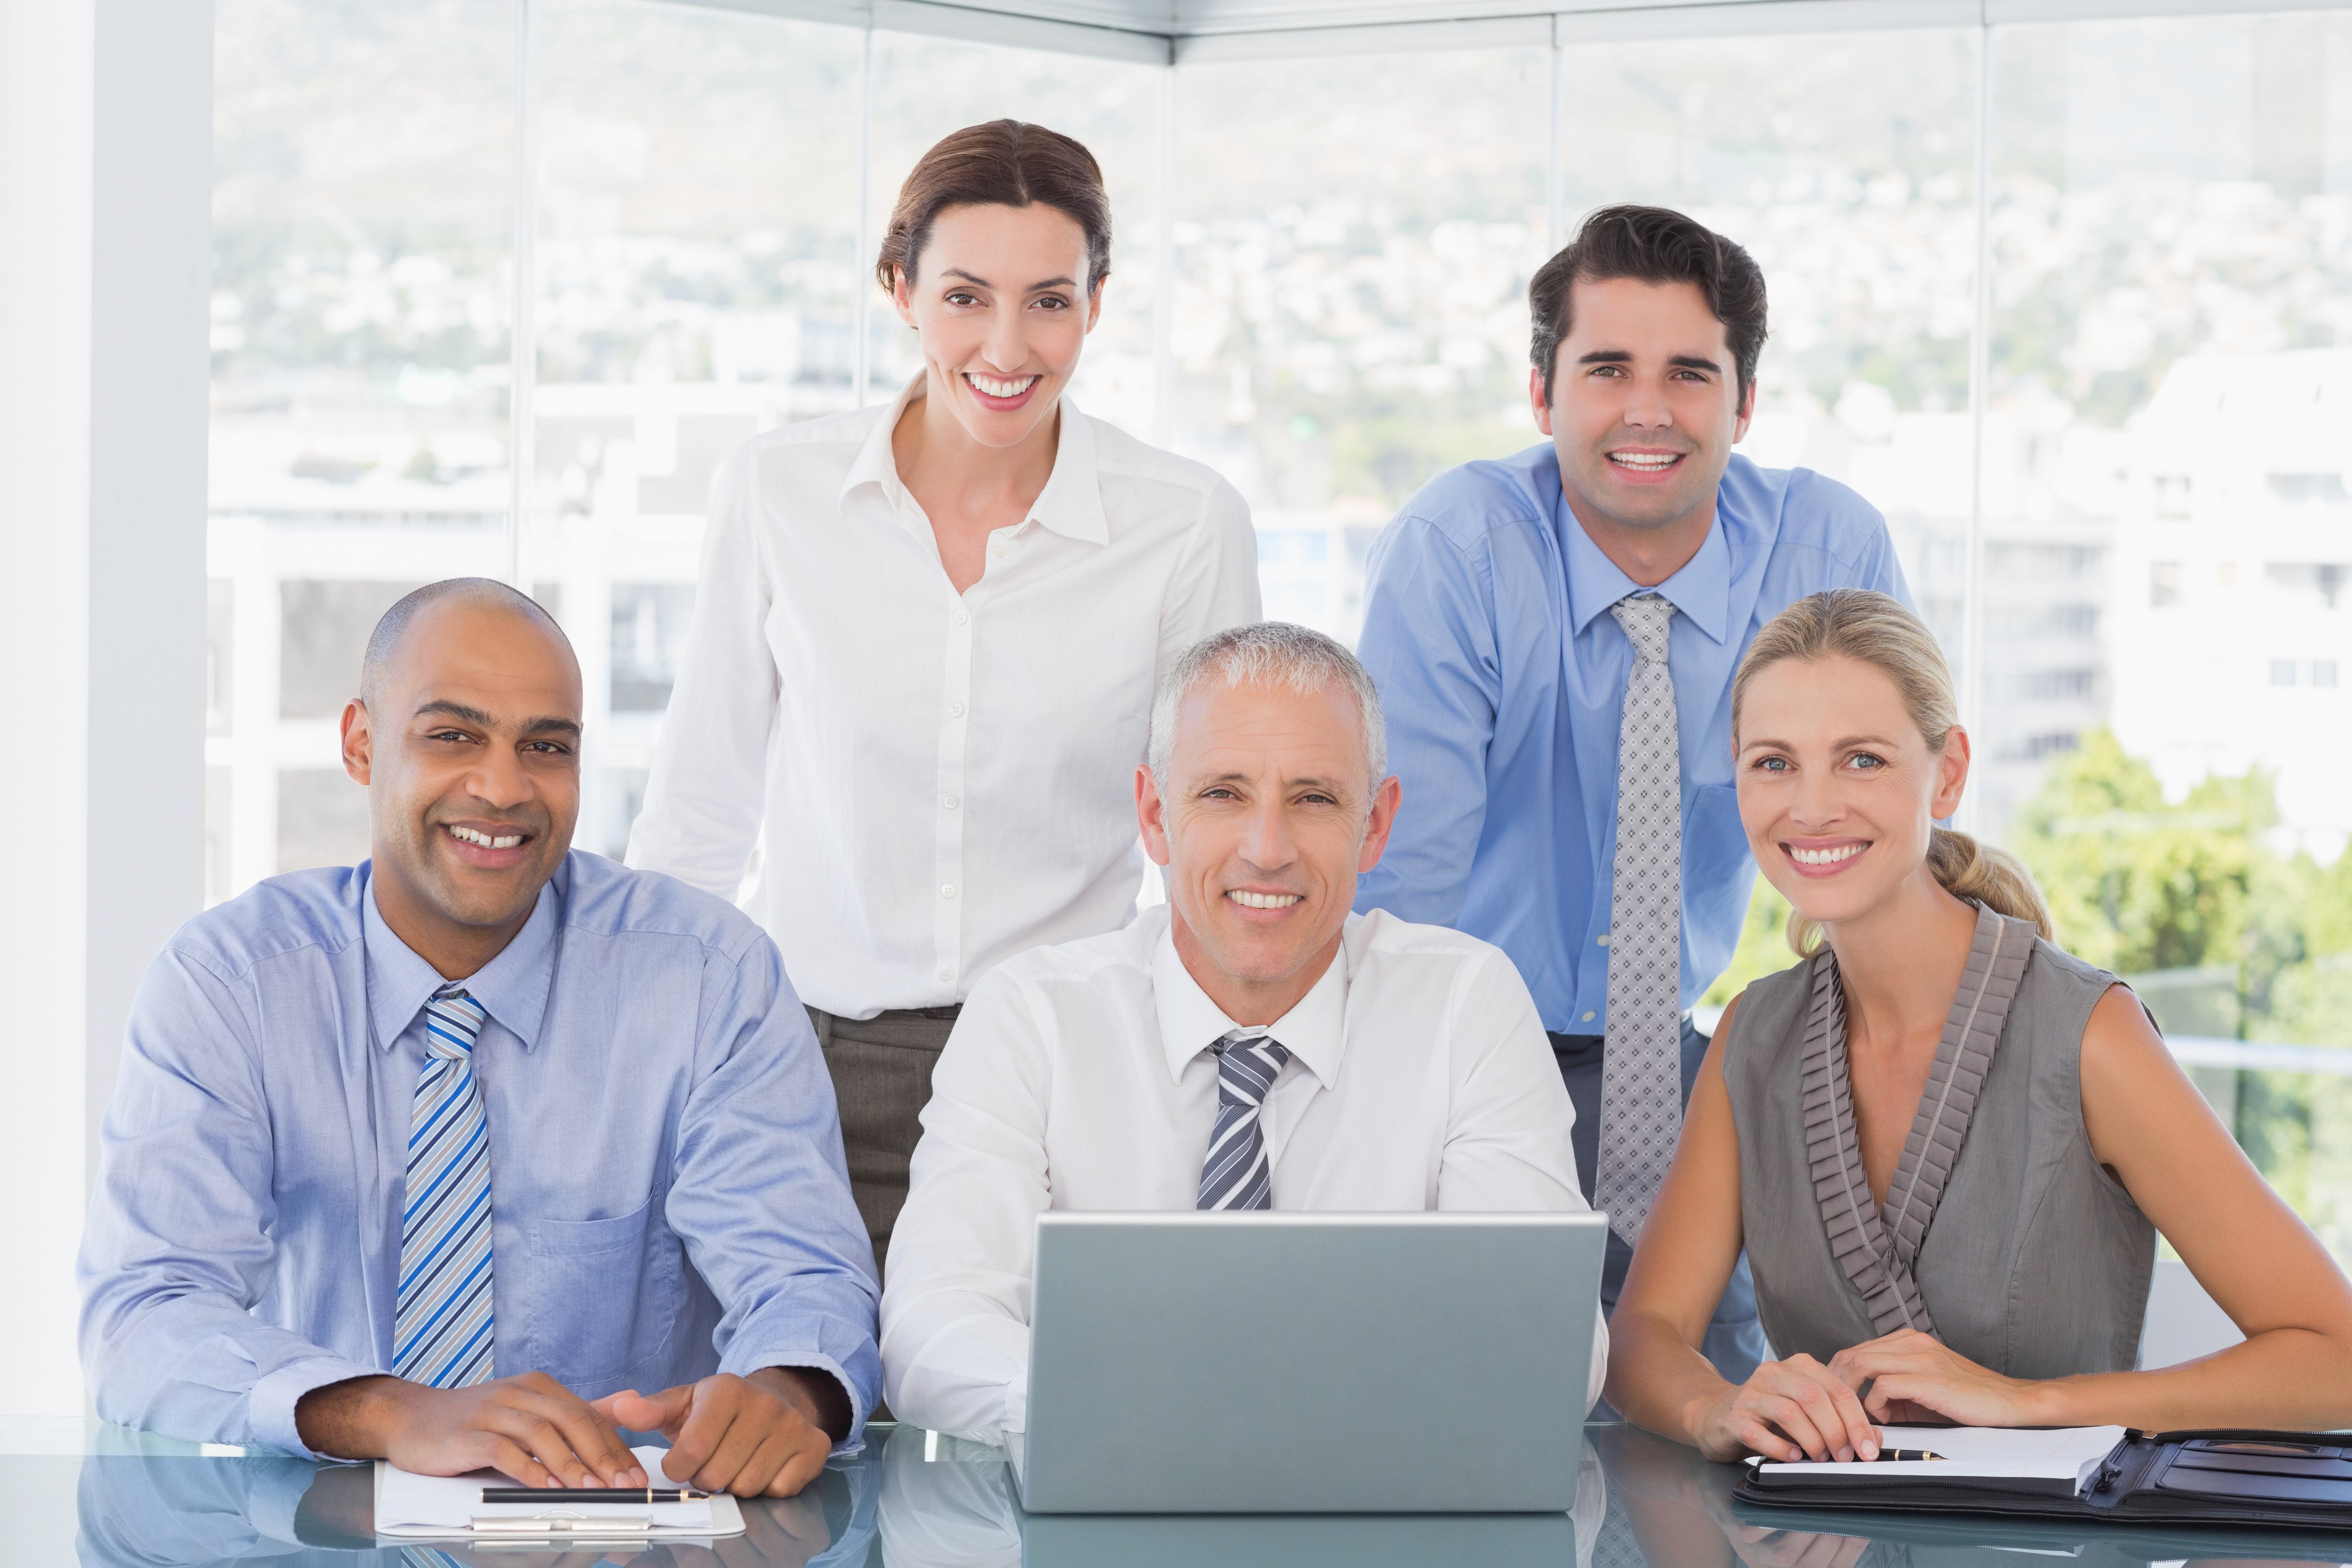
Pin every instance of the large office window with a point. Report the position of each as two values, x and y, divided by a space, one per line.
2066 301
2170 360
362 206
924 88
699 274
1846 166
1351 291
697 282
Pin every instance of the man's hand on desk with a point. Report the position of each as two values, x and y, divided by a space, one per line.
768 1433
529 1428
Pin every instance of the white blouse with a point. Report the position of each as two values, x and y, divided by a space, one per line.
944 780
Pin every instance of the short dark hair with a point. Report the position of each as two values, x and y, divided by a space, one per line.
1003 162
1655 245
384 641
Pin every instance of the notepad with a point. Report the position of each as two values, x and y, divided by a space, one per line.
414 1507
2222 1476
2067 1454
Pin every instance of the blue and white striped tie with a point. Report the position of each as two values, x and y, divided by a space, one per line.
1235 1174
441 1329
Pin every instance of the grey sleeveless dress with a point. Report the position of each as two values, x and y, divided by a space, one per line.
2033 1261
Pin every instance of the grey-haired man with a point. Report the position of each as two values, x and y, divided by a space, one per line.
1251 1045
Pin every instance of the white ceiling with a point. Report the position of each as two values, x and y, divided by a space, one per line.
1177 31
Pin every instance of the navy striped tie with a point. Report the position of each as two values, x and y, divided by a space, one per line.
441 1328
1235 1174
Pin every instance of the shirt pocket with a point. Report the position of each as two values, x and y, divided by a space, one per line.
604 1299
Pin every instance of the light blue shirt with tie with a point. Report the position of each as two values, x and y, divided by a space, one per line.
1502 675
669 1195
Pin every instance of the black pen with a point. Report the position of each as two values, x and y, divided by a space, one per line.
593 1494
1895 1456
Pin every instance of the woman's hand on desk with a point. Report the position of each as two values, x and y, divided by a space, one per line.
1910 1372
765 1434
1792 1409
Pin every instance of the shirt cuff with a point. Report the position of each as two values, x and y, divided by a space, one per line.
972 1380
1016 1406
269 1404
810 1360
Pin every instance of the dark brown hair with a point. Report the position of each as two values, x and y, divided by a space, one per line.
1004 162
1655 245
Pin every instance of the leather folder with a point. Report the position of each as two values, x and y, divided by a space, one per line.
2228 1476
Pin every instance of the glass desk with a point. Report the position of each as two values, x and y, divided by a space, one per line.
107 1498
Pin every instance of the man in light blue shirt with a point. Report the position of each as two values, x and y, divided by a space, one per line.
480 1151
1489 627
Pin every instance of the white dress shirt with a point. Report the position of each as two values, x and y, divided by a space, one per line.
945 780
1080 1076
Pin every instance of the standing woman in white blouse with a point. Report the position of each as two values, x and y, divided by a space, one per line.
925 639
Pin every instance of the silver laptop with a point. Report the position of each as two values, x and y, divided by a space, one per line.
1309 1362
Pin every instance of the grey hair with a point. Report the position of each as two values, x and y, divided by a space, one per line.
1269 653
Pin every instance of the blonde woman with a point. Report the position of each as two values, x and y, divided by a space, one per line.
1947 1145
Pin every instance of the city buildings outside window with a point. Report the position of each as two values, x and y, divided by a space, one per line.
2070 302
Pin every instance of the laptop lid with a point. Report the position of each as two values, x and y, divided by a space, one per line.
1291 1363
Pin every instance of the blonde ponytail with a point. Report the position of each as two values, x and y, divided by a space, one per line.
1993 878
1875 629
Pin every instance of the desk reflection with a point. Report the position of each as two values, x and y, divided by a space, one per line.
177 1511
1642 1503
959 1510
1667 1505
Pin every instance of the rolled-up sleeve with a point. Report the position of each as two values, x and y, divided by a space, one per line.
955 1312
177 1248
760 1194
1507 1145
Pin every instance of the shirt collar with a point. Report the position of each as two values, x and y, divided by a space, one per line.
512 987
1701 591
875 463
1071 503
1314 1031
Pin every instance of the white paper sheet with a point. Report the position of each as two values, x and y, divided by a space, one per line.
2063 1453
410 1505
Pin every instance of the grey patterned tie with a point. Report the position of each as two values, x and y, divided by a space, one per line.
1615 1545
1235 1174
1640 1061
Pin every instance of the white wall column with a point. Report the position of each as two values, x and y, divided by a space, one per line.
105 270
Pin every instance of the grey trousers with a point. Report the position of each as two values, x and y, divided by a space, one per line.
1735 1339
881 1069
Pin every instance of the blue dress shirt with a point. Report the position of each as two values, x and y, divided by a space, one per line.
1502 675
668 1192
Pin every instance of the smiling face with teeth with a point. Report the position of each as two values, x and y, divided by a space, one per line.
1644 407
1265 823
1839 792
468 742
1001 302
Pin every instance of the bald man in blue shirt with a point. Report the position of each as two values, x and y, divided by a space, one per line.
1509 609
484 1149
